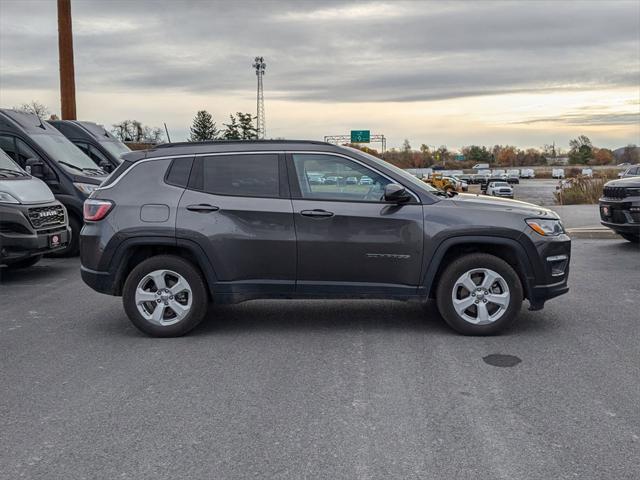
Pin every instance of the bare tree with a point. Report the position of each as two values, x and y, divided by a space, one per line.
36 107
135 131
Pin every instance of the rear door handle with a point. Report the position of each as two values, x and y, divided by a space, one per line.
203 208
317 213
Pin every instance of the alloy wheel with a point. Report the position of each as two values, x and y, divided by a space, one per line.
480 296
163 297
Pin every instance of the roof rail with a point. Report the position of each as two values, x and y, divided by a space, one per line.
223 142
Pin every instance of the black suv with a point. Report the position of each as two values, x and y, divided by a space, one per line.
181 225
620 207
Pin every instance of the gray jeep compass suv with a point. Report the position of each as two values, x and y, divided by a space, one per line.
177 227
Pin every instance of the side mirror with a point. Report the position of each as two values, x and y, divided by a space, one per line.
106 166
34 167
396 193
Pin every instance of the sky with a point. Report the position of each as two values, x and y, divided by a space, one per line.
439 73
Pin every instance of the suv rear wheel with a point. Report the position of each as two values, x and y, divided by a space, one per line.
165 296
479 294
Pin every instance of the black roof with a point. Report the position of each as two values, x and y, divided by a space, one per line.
82 129
219 146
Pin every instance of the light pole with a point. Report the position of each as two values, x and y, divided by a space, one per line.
260 67
65 50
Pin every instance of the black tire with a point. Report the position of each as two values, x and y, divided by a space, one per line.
73 247
200 299
24 263
630 237
466 264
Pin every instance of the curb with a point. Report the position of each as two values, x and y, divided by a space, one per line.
594 233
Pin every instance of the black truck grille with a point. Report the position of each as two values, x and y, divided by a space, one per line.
615 192
46 217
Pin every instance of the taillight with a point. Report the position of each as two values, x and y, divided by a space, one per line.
95 210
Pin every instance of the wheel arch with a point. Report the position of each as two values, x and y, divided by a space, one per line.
507 249
132 251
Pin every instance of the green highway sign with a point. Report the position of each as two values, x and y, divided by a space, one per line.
360 136
460 158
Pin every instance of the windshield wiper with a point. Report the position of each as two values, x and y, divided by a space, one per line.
70 165
16 173
99 171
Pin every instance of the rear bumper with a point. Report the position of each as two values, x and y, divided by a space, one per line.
102 282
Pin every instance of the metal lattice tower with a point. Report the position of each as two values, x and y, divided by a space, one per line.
260 67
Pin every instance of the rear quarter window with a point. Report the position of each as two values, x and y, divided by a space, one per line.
179 171
116 173
247 175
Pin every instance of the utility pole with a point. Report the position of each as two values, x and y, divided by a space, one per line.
260 67
65 51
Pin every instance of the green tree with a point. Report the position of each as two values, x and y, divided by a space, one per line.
203 127
581 150
232 130
477 154
427 157
247 129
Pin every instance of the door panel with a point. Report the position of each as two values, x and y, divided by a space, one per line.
349 241
361 242
249 240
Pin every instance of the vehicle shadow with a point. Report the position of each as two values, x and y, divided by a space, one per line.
34 274
320 315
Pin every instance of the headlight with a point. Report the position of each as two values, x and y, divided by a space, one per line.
86 188
6 198
633 192
546 228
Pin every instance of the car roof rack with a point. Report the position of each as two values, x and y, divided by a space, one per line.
227 142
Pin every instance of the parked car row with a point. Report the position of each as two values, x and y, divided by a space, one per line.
323 179
69 159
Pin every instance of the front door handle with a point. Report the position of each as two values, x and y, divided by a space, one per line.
203 208
317 213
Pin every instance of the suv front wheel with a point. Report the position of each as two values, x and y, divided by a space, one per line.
165 296
479 294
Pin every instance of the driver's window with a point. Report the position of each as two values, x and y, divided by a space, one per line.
97 156
25 152
329 177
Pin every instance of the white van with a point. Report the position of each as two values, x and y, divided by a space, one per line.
587 172
527 173
481 166
33 222
557 173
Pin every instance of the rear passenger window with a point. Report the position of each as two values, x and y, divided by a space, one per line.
244 175
179 171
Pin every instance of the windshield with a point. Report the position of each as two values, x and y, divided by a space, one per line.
9 168
66 153
414 181
115 148
500 184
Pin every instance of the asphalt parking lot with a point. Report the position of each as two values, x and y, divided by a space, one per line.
316 389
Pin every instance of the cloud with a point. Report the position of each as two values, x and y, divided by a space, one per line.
588 119
365 51
329 52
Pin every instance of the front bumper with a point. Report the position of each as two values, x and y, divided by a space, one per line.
19 239
16 246
551 270
621 215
